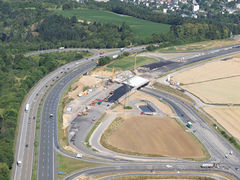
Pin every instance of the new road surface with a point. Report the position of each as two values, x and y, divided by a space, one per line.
48 141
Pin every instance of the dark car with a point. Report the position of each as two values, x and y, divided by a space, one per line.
26 145
34 117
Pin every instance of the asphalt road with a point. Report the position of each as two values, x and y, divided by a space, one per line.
48 136
26 132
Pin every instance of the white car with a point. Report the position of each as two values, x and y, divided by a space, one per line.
79 156
19 163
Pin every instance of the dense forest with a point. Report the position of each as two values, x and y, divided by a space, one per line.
30 25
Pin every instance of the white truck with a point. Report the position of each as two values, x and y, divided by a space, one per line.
27 107
209 165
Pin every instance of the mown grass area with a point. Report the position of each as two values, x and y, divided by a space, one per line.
141 28
127 63
69 165
163 177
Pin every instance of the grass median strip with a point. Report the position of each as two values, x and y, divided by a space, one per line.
172 91
68 165
93 129
163 177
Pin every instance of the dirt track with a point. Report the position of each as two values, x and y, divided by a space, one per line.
160 136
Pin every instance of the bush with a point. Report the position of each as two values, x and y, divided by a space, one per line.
104 60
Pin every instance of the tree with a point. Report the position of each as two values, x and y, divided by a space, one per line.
4 171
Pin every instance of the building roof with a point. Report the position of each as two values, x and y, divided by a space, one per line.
136 81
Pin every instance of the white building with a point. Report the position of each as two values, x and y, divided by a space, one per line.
195 7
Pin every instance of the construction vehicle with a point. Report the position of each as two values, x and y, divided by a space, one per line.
189 124
84 113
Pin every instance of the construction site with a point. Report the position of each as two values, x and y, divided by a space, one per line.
116 94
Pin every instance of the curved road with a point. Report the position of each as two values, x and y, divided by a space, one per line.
48 136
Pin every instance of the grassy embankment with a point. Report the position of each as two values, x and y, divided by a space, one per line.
163 177
69 165
141 28
92 130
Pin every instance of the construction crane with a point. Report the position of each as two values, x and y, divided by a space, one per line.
135 63
113 74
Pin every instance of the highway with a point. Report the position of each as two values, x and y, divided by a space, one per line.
47 161
27 125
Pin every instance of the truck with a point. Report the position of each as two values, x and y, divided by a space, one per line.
27 107
189 124
209 165
115 56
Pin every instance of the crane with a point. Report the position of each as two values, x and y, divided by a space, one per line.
113 74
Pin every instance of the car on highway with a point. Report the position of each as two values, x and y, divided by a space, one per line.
26 145
94 119
50 115
34 117
19 163
79 155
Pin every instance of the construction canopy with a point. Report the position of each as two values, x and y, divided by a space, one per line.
136 81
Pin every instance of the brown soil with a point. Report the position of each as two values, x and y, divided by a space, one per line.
81 83
160 136
228 117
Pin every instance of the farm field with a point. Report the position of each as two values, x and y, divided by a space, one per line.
215 82
128 62
141 28
151 136
200 46
228 117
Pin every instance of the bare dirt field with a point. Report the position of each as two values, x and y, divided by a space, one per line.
215 82
158 136
228 117
137 95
